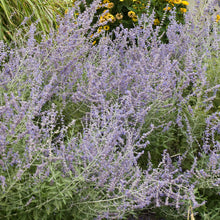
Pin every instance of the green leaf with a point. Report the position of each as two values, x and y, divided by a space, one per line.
48 209
35 214
57 204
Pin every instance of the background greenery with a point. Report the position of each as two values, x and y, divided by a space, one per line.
13 13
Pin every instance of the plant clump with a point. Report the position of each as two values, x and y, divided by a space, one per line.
111 13
100 131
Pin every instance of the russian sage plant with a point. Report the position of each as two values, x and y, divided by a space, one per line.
99 131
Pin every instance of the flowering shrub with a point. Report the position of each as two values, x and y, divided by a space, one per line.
99 131
111 13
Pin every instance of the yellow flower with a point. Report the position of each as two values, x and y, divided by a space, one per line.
113 19
121 0
99 6
185 3
110 5
177 1
167 9
101 19
131 14
94 42
109 16
119 16
156 22
99 29
66 11
134 19
105 1
217 18
183 10
106 27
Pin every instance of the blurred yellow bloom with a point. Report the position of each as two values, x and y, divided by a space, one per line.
217 18
109 16
131 14
121 0
110 5
66 11
106 27
183 10
102 19
94 42
105 1
167 9
99 29
185 3
99 6
177 1
134 19
156 22
119 16
113 20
